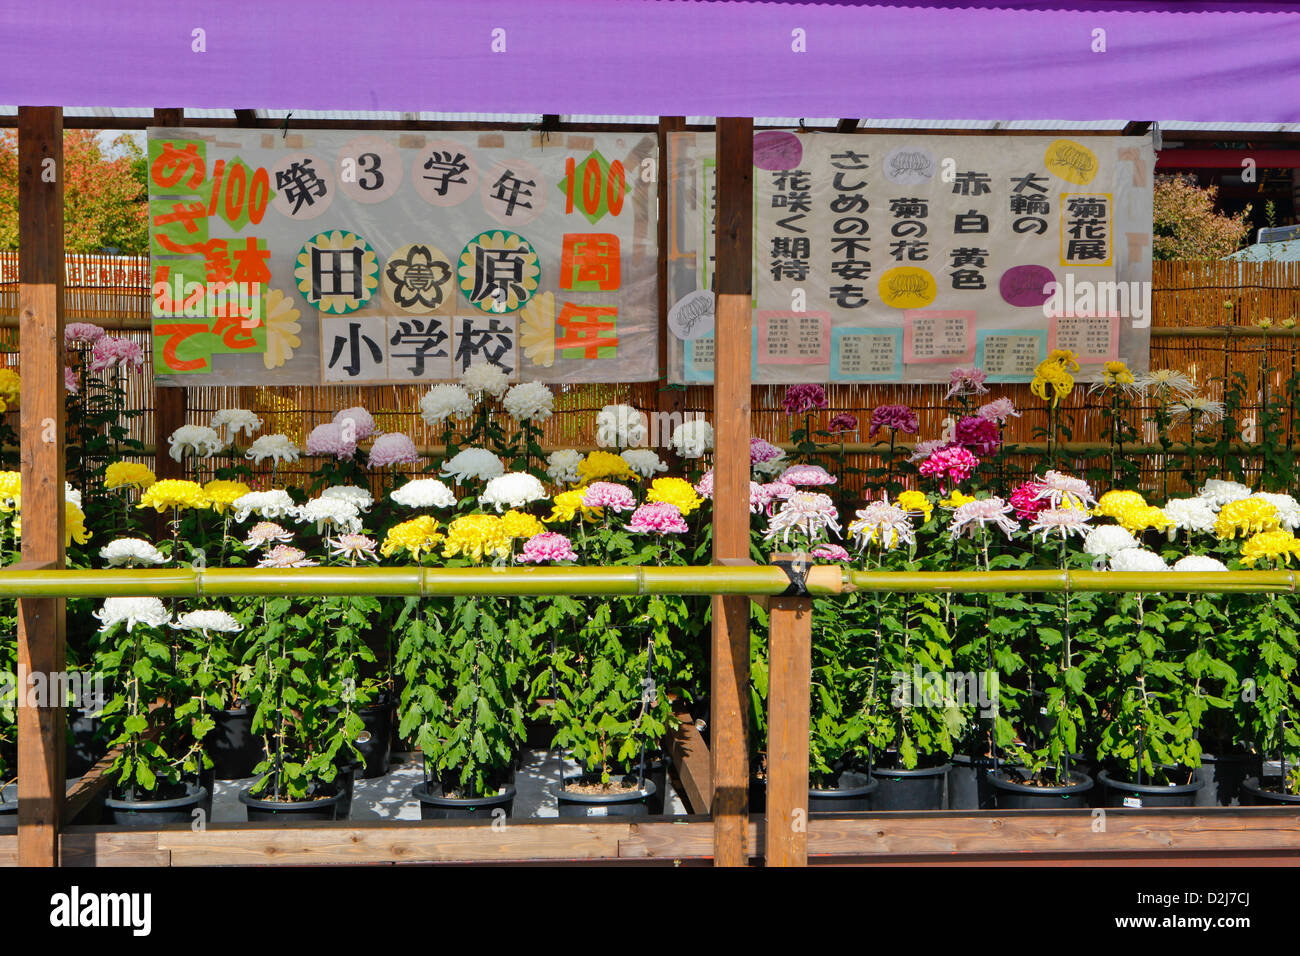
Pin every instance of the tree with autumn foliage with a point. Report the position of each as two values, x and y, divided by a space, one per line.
105 201
1186 226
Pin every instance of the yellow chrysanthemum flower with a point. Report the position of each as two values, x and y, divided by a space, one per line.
122 473
915 502
477 537
567 504
956 500
11 485
1141 518
1054 372
74 524
603 465
222 494
674 491
10 387
1117 373
518 524
414 537
1270 545
1114 503
1246 516
174 493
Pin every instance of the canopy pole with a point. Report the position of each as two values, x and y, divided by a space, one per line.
729 673
41 635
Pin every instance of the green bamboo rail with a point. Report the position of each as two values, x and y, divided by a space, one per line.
754 580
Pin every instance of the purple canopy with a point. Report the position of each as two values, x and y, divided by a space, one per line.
1227 62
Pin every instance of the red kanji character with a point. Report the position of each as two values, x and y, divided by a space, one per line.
590 261
170 166
586 329
251 262
176 333
183 212
234 333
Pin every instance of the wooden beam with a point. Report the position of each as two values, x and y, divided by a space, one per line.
245 118
41 635
789 680
846 126
168 403
690 764
729 674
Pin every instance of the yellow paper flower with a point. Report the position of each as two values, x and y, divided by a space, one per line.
222 494
414 537
603 465
10 387
174 493
1271 545
122 473
956 500
915 502
477 537
518 524
1114 503
674 491
566 504
282 328
1246 516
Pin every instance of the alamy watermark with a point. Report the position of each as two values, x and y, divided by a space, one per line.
1086 298
947 689
198 300
59 689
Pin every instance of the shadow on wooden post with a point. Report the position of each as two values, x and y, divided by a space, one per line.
789 681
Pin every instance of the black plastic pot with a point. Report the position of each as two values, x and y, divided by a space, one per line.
435 806
968 783
345 781
626 803
325 807
921 788
375 742
1255 794
234 748
1141 795
849 797
1011 793
9 806
149 814
1222 776
656 771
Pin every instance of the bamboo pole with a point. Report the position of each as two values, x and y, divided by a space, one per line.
932 582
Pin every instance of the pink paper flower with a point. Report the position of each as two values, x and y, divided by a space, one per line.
393 449
609 494
900 418
328 439
86 333
110 351
842 423
363 423
953 463
547 546
658 517
807 475
1025 499
804 398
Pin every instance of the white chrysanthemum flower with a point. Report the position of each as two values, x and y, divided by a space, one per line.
1199 562
693 438
1062 521
772 467
265 504
882 523
71 494
1107 539
1199 409
1062 490
130 553
132 611
424 493
562 466
476 463
484 378
236 420
1218 492
807 513
198 440
529 400
1188 514
980 514
360 497
446 401
621 426
208 622
516 489
644 462
1165 384
279 448
1288 509
1137 559
337 513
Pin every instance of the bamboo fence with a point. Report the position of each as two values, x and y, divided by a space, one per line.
1204 324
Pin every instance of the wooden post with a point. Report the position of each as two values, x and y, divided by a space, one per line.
168 403
41 650
669 400
789 680
729 683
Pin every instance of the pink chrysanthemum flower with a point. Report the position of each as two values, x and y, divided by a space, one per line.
363 423
898 418
924 449
111 351
354 547
393 449
265 532
84 333
658 517
1026 500
980 514
328 439
70 382
1062 521
807 513
998 410
951 464
966 381
704 487
811 475
800 399
1061 490
608 494
286 556
777 492
761 451
980 435
759 498
546 547
842 423
829 552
